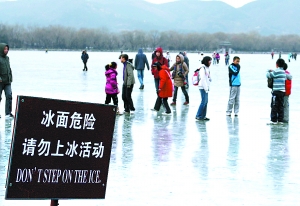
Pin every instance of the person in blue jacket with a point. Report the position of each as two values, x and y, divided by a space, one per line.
139 64
234 83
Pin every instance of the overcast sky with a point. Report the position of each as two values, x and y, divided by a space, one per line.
234 3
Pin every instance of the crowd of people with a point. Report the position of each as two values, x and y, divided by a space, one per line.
167 80
290 55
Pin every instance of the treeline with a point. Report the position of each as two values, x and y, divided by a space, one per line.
59 37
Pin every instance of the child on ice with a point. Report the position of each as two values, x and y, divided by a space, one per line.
111 87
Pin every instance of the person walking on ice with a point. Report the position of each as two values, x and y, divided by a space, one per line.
180 71
128 83
6 79
139 64
234 83
203 85
84 58
165 88
111 87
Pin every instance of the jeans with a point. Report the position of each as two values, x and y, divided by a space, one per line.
140 74
156 81
158 103
214 60
277 108
226 61
126 96
8 96
187 99
201 114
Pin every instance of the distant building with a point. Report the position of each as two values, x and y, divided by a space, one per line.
225 46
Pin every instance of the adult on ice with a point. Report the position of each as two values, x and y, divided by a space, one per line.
187 61
128 83
290 56
214 58
162 60
84 58
179 74
205 79
168 57
139 64
6 79
218 58
227 57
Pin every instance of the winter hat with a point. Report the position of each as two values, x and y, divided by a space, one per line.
159 49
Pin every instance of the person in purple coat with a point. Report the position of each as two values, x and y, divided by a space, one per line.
218 57
111 87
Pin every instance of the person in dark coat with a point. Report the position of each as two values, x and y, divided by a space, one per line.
6 79
139 64
84 57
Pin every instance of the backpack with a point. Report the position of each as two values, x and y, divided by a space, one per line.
270 83
196 77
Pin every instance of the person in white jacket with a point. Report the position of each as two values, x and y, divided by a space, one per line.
205 79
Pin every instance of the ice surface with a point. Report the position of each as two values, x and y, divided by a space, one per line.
174 160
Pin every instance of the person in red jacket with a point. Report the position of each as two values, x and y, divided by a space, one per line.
288 88
165 88
162 60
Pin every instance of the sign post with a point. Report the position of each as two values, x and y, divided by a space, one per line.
60 150
54 203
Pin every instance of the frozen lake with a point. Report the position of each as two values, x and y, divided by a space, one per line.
174 160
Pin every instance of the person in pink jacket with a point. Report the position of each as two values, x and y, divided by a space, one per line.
111 87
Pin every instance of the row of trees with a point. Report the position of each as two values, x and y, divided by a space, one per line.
59 37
